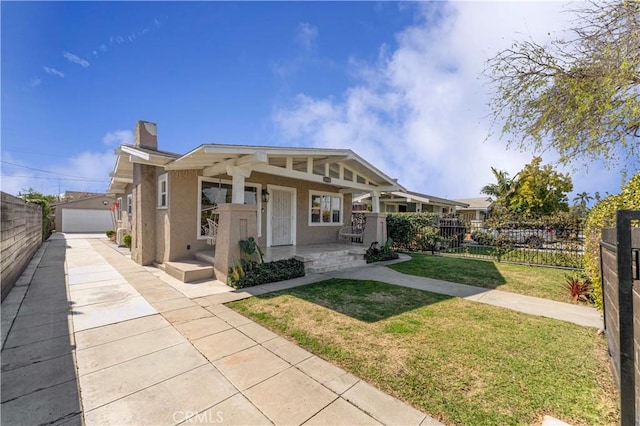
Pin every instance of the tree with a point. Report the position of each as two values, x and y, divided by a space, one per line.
578 95
582 199
32 196
539 190
502 188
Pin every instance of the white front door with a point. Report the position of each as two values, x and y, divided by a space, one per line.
281 216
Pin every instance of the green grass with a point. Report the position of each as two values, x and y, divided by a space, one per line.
530 280
459 361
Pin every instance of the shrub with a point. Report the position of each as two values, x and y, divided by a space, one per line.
126 239
603 215
110 233
402 228
248 273
376 254
579 288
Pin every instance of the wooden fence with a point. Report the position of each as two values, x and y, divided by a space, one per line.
620 266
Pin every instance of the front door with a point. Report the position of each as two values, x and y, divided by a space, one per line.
282 216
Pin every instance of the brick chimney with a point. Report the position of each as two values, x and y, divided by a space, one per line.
146 135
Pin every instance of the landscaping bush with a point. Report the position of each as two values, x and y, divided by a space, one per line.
126 239
248 273
403 228
603 215
376 254
578 288
110 233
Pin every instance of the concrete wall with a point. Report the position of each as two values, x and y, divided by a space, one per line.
20 237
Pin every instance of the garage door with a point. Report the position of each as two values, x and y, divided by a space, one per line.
86 220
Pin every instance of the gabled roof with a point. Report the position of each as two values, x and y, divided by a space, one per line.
77 197
342 168
122 174
478 203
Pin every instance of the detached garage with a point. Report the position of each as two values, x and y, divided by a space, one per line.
88 214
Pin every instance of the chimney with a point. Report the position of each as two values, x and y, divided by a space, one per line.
146 135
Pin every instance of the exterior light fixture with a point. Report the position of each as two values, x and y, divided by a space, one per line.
265 196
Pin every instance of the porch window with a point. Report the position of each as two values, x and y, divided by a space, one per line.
129 202
326 209
213 192
162 190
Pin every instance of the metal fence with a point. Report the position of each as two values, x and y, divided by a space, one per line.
551 245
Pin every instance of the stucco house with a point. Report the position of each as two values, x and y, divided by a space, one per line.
407 201
475 212
281 196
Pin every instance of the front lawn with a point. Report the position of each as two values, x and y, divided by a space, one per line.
530 280
459 361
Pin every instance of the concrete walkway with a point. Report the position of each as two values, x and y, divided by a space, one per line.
88 334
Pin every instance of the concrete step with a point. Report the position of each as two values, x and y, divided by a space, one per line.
336 266
326 261
189 270
207 257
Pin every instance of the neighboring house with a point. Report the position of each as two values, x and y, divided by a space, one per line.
279 195
83 212
474 214
407 201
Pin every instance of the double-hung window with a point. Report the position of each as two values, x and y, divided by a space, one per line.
129 202
163 192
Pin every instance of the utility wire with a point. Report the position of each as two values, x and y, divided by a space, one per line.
48 178
40 170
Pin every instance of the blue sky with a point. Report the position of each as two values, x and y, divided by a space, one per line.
399 83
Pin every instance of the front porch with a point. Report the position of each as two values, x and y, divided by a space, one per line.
317 258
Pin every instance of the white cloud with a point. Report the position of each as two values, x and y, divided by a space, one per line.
53 71
306 35
75 59
118 137
35 82
419 112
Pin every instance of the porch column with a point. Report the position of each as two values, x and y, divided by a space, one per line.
375 229
236 222
238 175
375 202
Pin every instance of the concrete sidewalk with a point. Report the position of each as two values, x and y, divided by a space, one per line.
114 344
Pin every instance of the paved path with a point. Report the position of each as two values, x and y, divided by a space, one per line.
90 334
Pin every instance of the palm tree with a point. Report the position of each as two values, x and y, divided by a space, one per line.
582 199
503 186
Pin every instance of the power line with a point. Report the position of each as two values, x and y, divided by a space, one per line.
47 178
40 170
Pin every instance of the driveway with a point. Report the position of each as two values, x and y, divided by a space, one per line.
88 334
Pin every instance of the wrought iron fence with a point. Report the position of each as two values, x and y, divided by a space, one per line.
551 245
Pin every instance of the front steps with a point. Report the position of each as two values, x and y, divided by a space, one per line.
189 271
318 263
201 267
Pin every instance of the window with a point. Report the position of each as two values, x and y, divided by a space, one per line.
326 209
129 202
162 190
214 192
119 208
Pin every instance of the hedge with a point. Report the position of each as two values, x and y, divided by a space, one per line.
603 215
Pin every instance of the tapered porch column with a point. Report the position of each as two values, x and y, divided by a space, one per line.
375 202
375 229
238 175
236 222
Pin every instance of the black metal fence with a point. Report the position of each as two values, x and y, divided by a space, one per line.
542 244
